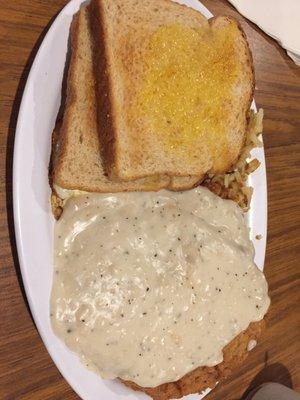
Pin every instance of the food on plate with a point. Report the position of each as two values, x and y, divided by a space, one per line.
177 88
233 183
76 157
150 286
154 284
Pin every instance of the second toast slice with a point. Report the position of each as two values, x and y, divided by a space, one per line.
77 162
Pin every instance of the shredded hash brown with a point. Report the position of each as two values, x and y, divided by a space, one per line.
233 184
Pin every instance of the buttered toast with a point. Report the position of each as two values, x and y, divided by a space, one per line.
76 153
77 162
177 88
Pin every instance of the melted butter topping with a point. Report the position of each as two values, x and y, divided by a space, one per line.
189 78
150 286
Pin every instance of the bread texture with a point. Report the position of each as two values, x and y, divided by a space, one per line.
206 377
77 149
145 132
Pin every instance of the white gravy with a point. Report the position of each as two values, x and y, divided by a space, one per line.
150 286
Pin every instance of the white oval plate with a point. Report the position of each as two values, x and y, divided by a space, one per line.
32 213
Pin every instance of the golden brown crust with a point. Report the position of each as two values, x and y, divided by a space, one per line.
56 205
59 145
206 377
105 116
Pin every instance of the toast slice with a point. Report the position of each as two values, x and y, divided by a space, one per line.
76 157
76 151
177 88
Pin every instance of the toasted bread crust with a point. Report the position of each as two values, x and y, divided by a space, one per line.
105 113
206 377
59 135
